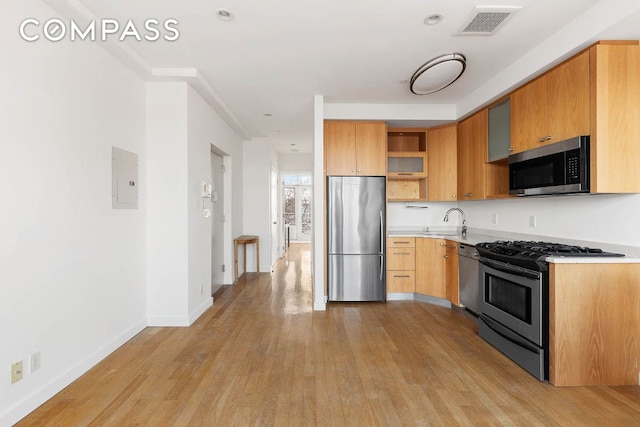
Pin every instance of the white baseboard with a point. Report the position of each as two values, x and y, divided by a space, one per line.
180 321
433 300
400 296
411 296
47 391
319 306
193 316
168 321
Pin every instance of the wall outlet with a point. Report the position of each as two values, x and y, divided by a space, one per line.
494 218
35 362
532 221
16 372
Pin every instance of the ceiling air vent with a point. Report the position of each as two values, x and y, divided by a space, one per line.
485 20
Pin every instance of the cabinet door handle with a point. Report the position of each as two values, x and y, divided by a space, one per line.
453 196
402 253
401 243
401 276
547 138
446 256
541 139
511 150
405 173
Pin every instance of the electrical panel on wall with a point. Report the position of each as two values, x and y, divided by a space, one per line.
124 179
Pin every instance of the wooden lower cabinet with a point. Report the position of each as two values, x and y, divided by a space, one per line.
594 324
453 289
401 264
431 267
401 281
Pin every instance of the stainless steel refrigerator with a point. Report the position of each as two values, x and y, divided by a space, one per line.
355 238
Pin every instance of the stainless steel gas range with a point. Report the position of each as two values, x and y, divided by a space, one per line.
514 299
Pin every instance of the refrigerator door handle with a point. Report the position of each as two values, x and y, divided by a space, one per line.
381 266
381 234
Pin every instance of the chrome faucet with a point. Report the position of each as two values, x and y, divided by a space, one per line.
464 221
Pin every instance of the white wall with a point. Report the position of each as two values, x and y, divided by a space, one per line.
295 162
317 235
167 238
400 215
608 219
206 128
181 128
72 269
605 218
259 156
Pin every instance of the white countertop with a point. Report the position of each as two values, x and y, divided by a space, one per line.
475 236
591 260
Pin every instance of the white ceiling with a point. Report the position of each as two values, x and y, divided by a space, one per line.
275 55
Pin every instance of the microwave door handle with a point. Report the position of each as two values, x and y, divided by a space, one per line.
507 334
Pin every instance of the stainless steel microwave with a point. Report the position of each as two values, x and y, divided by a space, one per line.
559 168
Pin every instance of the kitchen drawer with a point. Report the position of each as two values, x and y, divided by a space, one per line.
401 281
401 258
401 242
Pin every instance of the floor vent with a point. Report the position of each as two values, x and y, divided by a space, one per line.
486 20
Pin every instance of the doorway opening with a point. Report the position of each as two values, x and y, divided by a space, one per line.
297 195
220 227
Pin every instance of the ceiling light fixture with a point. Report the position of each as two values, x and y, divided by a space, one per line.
224 14
438 73
267 114
433 19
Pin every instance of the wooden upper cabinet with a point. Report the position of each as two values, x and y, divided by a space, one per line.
615 107
552 108
355 148
340 148
528 115
568 99
371 148
472 156
443 163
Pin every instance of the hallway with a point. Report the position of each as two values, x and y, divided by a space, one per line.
261 356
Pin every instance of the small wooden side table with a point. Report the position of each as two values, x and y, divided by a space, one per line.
244 241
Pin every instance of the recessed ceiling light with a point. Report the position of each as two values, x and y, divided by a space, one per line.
293 145
432 19
267 114
224 14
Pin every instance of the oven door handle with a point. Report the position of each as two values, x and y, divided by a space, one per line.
507 334
510 269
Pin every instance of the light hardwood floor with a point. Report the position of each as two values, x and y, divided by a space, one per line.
261 356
